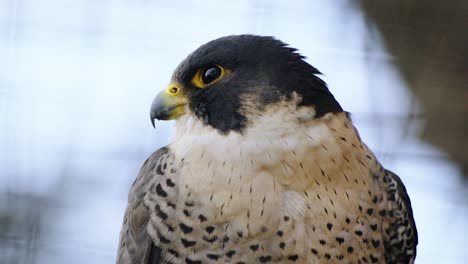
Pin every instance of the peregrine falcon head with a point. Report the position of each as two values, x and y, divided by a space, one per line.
225 80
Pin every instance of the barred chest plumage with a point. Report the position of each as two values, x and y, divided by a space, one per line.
301 192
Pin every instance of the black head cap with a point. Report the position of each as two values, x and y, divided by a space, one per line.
258 65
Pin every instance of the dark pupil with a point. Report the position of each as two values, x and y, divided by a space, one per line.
211 74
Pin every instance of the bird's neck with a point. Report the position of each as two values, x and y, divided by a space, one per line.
283 151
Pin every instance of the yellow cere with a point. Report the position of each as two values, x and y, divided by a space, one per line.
173 89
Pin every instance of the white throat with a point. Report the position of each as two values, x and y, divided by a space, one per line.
282 152
280 136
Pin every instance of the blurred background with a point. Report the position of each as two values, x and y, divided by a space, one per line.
77 78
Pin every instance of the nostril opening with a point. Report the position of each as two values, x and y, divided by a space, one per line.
173 90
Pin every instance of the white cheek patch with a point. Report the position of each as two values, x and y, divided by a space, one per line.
305 114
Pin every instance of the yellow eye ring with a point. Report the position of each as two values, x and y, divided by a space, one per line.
209 75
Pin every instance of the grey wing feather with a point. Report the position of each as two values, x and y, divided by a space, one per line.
136 246
400 237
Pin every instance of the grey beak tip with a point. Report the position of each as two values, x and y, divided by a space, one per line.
152 118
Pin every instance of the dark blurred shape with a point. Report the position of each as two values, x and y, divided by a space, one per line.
20 227
429 42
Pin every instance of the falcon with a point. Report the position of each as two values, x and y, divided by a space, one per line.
265 167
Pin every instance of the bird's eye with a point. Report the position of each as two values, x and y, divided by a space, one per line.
208 75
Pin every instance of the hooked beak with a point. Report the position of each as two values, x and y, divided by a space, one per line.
168 104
